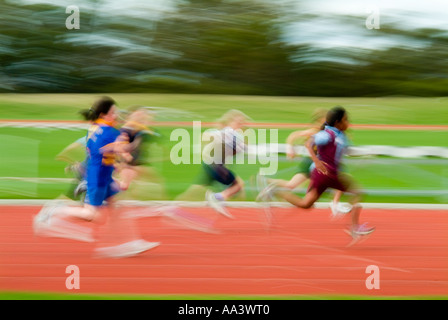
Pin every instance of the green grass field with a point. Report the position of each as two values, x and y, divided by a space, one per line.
387 110
31 152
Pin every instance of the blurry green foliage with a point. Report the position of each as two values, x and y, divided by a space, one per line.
219 46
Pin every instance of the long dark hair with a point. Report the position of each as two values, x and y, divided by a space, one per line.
335 115
101 106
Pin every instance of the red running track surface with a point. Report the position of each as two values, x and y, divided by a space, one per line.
301 253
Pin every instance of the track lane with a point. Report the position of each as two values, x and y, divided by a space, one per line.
304 252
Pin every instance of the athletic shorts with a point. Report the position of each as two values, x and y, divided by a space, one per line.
216 172
96 195
322 182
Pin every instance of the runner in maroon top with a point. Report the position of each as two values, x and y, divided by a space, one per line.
331 143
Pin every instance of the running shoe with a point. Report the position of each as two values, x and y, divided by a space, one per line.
127 249
339 209
47 224
47 211
189 220
55 227
344 208
363 230
267 193
264 196
359 231
216 204
80 189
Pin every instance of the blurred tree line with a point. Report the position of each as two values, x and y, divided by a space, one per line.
203 46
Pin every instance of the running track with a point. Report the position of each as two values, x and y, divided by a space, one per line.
302 253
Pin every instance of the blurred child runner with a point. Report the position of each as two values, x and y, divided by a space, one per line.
134 172
331 143
231 142
76 156
304 169
132 147
101 187
227 141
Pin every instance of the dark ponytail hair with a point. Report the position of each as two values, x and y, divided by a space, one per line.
335 115
322 127
101 106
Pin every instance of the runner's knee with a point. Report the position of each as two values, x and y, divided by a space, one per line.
307 205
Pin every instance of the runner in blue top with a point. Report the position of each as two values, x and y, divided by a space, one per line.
100 165
101 188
